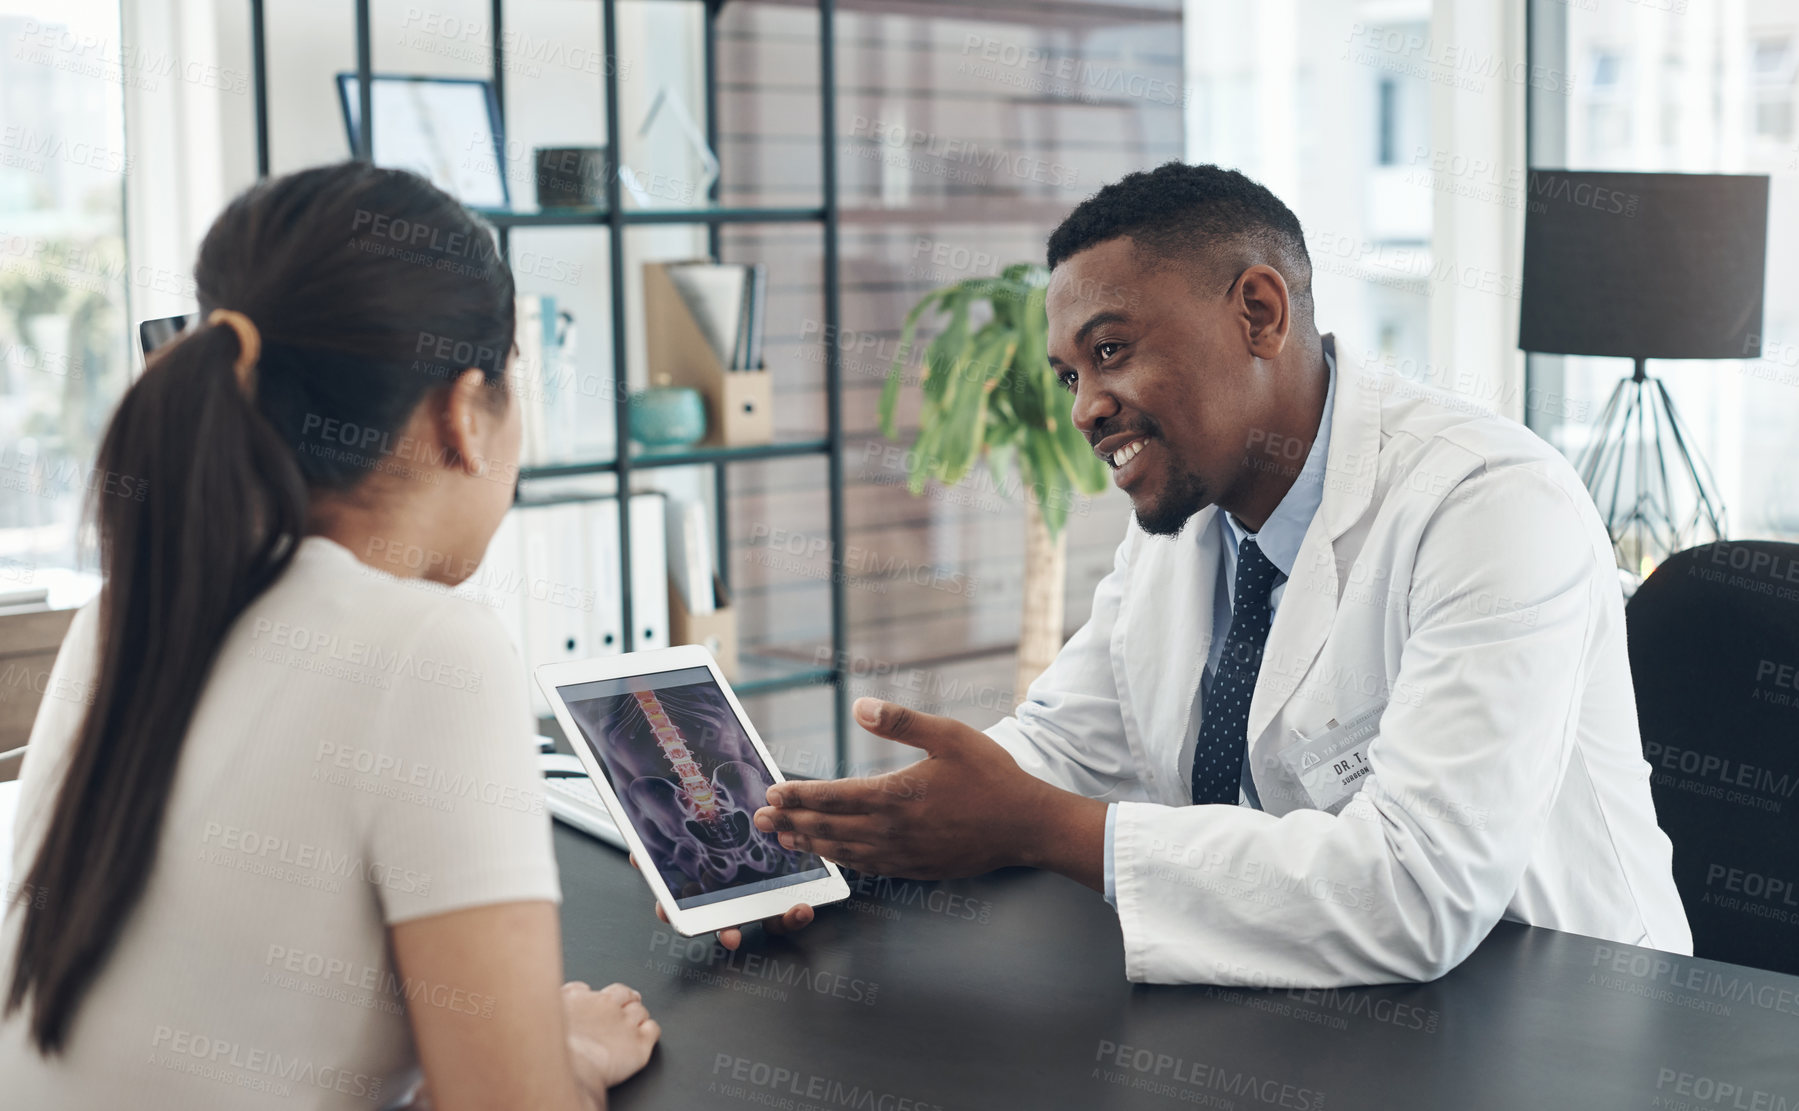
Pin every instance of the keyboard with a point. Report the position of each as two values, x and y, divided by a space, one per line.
574 801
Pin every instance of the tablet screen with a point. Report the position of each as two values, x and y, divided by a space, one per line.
689 779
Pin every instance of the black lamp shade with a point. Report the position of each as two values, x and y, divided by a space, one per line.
1653 266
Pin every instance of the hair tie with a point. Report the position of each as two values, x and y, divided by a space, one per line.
249 341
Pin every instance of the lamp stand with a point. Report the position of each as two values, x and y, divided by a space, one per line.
1639 457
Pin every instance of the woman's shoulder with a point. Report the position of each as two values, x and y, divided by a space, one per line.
331 604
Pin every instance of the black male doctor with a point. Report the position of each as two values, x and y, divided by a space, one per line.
1356 688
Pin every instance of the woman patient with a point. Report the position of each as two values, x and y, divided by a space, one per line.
282 840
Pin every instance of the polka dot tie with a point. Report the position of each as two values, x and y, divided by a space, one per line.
1224 733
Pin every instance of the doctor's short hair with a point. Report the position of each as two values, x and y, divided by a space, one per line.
1216 221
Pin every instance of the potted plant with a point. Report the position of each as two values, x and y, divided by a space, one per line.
988 391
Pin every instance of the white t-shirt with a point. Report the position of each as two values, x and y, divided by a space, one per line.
360 756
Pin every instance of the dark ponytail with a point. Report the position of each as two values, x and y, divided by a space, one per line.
367 289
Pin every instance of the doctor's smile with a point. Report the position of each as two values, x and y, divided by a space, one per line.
1121 453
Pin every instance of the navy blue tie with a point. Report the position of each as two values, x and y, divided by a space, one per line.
1224 732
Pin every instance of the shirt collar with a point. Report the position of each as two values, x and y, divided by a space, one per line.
1285 528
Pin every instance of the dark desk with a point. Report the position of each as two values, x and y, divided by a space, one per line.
1009 992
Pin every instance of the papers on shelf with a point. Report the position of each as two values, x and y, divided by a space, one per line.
727 302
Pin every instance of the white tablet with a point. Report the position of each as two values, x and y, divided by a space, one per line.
682 771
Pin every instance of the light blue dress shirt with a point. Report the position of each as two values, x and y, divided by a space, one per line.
1279 539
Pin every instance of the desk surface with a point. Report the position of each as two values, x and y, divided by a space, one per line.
1009 992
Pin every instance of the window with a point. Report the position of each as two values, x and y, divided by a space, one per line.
1772 64
1608 110
1332 112
1672 108
63 322
1725 94
1389 122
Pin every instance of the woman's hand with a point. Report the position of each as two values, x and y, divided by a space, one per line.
495 1026
610 1034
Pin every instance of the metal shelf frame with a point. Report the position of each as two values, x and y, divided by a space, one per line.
596 216
614 217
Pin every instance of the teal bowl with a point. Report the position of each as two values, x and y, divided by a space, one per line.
667 416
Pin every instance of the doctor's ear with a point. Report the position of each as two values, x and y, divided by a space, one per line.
1264 309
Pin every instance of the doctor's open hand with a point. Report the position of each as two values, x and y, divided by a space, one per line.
964 810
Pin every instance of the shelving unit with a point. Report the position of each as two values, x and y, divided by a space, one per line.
762 675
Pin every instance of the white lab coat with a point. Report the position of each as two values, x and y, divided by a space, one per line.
1457 571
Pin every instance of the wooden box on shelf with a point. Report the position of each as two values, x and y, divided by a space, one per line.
739 403
717 630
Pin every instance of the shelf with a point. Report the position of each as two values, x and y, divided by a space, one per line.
684 457
770 674
1079 15
598 217
978 210
645 459
561 481
565 470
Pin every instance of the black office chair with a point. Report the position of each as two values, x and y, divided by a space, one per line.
1714 654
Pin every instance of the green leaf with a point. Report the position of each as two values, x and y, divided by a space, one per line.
947 347
965 401
890 401
1031 370
903 355
1001 417
1045 479
998 455
1086 470
918 462
1055 505
988 389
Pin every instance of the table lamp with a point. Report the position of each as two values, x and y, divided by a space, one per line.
1645 266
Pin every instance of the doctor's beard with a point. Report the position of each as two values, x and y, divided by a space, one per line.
1182 495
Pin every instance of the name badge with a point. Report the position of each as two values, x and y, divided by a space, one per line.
1332 765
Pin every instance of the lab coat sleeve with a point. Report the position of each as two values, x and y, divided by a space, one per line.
1410 876
1069 730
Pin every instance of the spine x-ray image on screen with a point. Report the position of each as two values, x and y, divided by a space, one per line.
690 779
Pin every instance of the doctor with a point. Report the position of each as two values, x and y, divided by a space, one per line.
1356 687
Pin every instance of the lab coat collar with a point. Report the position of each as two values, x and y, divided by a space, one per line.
1163 631
1309 604
1282 533
1354 447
